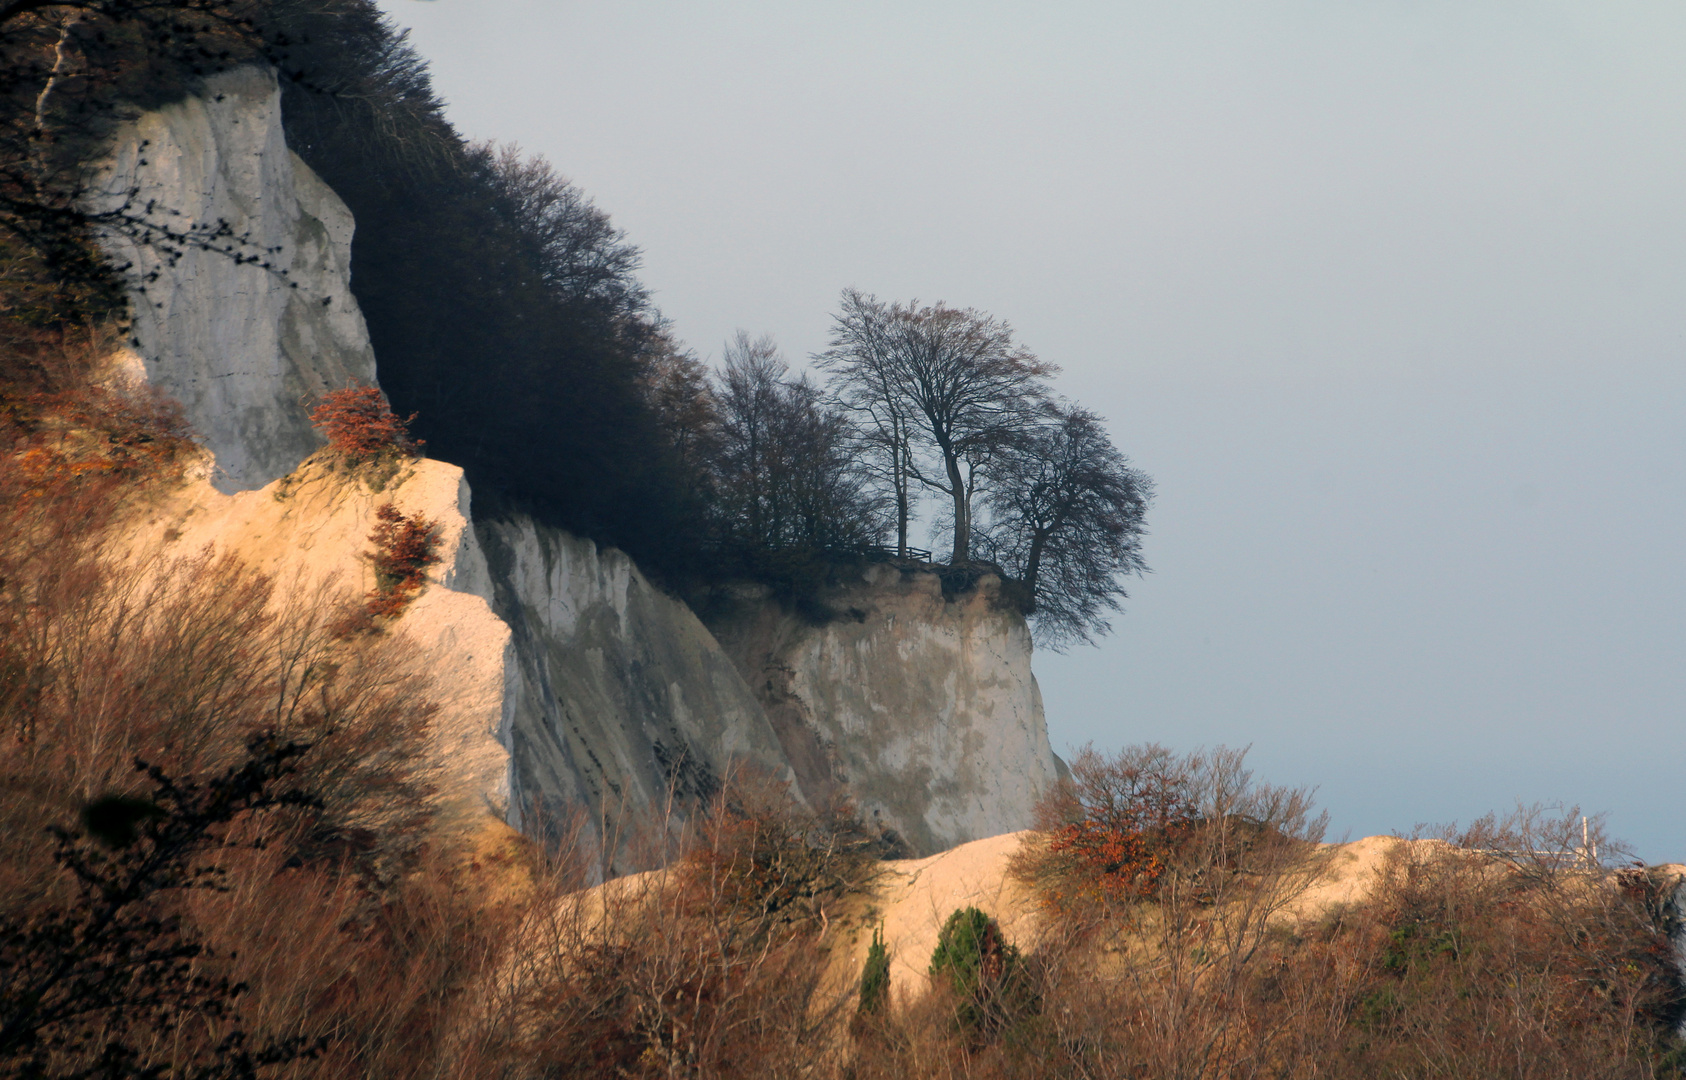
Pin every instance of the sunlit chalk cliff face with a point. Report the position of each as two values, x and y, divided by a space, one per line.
920 706
568 683
245 347
240 259
311 529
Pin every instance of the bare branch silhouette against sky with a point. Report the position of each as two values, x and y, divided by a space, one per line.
1384 297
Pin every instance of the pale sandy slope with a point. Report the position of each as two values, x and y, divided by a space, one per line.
310 532
913 898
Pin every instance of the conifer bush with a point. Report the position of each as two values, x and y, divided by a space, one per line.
985 972
875 976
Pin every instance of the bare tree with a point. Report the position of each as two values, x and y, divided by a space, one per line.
784 473
955 377
863 357
1067 514
747 389
676 386
582 256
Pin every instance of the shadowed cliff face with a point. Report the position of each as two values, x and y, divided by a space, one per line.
243 333
626 705
920 707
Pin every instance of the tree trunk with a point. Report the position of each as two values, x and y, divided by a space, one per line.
899 480
901 521
1033 563
962 509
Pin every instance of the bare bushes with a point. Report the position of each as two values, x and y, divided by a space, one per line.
1163 879
1507 950
1177 945
773 862
92 986
714 967
215 845
179 662
72 428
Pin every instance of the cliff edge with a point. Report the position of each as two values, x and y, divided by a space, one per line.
916 702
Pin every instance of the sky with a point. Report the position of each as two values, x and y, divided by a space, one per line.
1386 296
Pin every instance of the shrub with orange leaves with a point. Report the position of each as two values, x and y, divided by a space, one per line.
60 424
1116 865
404 548
1114 828
361 426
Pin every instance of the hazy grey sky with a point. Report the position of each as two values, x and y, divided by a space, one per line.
1387 296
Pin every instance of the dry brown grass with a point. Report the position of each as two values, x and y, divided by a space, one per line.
714 967
1475 956
355 930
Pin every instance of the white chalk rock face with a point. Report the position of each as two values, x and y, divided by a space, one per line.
311 529
243 336
247 313
627 705
919 706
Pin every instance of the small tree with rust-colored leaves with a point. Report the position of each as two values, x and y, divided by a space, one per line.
1116 826
404 548
360 426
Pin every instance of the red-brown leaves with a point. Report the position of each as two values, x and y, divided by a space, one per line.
360 425
404 548
1115 863
1116 827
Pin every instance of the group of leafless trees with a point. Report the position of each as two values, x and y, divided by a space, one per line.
507 312
920 403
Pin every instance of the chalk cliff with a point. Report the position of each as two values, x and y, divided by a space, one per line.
624 698
569 681
918 704
245 316
240 269
311 528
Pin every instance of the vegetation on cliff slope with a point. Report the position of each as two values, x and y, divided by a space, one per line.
219 860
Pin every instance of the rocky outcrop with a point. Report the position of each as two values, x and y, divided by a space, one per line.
919 705
625 705
239 261
310 532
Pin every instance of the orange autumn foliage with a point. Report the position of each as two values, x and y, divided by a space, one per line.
360 425
404 548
